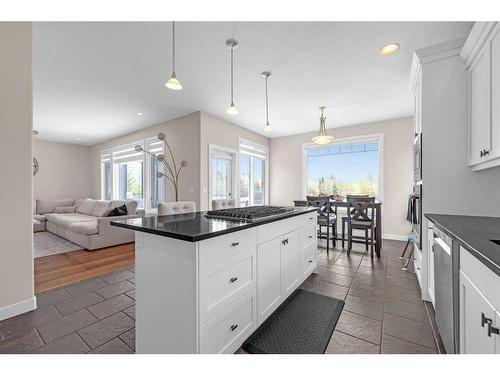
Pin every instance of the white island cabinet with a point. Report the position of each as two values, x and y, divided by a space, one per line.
479 307
209 296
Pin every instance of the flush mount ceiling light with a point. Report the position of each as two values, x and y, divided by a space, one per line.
232 44
267 128
322 138
173 83
389 49
139 113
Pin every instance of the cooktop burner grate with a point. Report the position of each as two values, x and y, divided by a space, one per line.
248 214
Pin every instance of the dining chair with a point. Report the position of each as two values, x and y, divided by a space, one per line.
344 218
361 216
173 208
326 218
220 204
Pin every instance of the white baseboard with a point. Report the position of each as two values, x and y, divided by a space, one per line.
397 237
17 308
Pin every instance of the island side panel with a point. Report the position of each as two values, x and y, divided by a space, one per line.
166 295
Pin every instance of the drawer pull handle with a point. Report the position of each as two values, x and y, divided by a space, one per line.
234 326
235 244
485 320
310 236
492 329
233 279
310 261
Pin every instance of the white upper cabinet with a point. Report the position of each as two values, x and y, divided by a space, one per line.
495 94
481 53
479 108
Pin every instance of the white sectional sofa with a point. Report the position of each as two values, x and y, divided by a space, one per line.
84 221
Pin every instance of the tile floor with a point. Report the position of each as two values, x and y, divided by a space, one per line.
383 311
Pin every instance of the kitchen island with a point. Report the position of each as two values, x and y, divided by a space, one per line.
203 285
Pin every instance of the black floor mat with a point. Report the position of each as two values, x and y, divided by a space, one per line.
303 324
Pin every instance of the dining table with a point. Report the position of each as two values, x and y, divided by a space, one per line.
342 203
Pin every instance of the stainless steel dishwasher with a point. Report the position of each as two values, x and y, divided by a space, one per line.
444 288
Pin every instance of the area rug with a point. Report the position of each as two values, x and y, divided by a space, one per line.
303 324
46 243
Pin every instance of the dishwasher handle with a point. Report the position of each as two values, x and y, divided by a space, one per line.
443 245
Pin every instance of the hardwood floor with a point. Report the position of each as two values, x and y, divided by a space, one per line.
61 269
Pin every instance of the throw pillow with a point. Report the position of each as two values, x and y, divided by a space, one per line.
118 211
64 210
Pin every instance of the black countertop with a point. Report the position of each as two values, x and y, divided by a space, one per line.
475 234
195 226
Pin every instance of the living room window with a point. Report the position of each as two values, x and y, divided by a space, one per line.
253 174
128 174
347 166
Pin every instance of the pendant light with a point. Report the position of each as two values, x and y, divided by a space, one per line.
232 44
173 83
322 138
267 128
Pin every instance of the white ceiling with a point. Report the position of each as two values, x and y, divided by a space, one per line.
91 79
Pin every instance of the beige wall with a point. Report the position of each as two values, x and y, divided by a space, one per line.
222 133
183 136
16 237
64 170
286 167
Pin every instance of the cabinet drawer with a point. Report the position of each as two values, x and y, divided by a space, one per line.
225 332
276 229
223 282
484 279
307 260
308 235
218 248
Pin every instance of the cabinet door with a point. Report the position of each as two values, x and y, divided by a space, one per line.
497 336
495 92
474 337
480 115
290 263
268 278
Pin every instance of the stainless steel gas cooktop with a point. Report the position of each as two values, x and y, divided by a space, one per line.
248 214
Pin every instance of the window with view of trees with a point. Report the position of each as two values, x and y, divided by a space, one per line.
253 159
343 168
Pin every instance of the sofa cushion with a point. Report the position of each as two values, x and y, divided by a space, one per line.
131 205
88 228
64 210
86 206
101 208
118 211
40 218
65 220
44 206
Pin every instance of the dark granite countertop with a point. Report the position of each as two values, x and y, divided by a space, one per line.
194 227
475 234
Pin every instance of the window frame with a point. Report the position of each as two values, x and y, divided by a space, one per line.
146 172
265 151
378 137
213 149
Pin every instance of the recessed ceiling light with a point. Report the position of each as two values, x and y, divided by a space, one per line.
139 113
389 49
